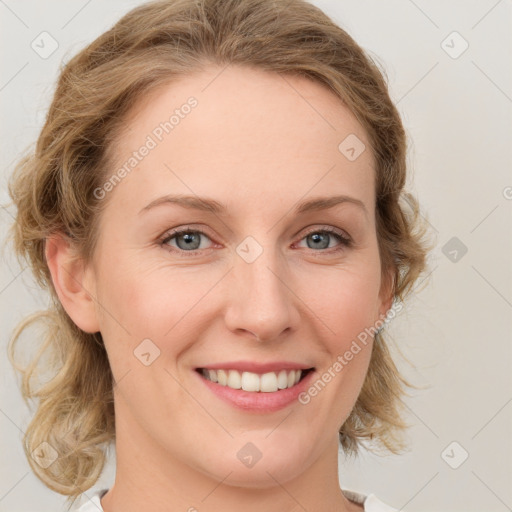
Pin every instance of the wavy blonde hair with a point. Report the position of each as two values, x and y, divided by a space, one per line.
53 187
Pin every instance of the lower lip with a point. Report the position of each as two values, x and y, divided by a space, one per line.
258 401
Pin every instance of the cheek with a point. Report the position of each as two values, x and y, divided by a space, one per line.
348 310
346 301
151 303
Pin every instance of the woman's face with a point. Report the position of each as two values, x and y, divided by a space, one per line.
258 280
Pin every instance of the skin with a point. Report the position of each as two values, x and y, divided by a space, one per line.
258 144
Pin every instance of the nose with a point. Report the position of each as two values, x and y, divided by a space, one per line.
261 299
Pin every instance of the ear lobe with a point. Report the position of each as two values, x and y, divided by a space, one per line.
72 279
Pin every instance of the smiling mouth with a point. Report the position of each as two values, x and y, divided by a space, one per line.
269 382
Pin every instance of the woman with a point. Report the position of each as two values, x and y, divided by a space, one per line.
216 204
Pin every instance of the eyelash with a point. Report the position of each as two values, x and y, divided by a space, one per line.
345 242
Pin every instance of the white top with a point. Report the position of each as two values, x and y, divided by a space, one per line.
371 502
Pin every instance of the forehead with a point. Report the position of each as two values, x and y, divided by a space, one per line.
246 134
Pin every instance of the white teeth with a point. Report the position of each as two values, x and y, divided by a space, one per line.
248 381
282 380
222 377
234 379
268 382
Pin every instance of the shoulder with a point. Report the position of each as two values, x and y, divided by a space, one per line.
91 502
371 502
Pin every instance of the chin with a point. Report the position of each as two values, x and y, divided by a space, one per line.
260 474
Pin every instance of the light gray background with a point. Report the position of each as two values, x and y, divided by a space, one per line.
457 330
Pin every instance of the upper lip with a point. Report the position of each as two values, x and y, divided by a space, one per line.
254 367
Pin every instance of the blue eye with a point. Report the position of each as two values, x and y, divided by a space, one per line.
320 238
189 241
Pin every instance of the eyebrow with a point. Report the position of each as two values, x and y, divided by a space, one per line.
213 206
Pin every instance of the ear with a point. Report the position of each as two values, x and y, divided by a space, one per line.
387 292
73 282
